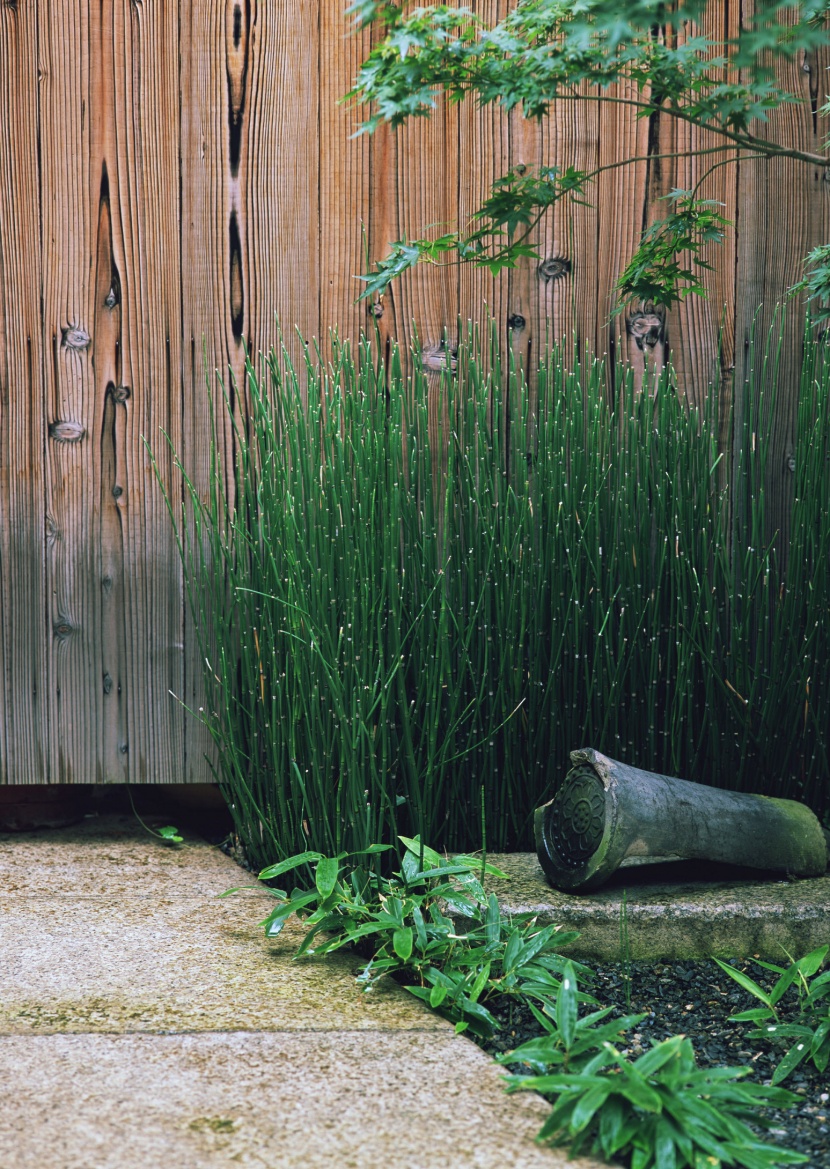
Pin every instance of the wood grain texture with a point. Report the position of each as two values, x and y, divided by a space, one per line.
109 147
701 332
483 157
427 192
24 709
173 179
783 211
622 213
344 180
250 219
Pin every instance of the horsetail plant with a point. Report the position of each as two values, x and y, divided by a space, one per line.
416 594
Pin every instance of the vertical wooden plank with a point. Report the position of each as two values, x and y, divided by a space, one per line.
384 229
414 193
567 275
344 179
621 200
250 219
215 106
70 100
277 188
112 325
525 307
483 157
250 186
429 177
795 198
24 726
700 333
146 402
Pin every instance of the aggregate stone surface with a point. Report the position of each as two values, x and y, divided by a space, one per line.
160 964
335 1099
102 929
676 911
111 856
146 1021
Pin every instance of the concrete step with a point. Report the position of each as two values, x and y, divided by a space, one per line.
683 909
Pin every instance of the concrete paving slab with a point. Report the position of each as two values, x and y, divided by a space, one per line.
112 855
144 1020
276 1100
176 964
683 910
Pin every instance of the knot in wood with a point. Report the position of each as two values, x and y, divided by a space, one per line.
554 268
375 310
435 358
63 628
120 394
516 321
791 463
73 337
66 431
646 327
111 299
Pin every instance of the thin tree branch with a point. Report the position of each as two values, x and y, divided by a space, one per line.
744 141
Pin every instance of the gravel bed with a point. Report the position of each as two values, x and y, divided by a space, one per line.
696 999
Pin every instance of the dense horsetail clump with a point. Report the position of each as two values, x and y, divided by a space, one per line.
417 595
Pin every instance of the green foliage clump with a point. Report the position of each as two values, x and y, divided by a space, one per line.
662 270
809 1024
661 1109
431 925
816 282
435 929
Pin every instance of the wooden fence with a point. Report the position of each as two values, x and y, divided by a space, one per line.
173 178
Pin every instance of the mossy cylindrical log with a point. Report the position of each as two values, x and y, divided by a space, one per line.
608 815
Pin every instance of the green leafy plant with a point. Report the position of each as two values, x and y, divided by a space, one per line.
662 270
431 925
810 1027
168 834
816 282
660 1109
544 51
569 1042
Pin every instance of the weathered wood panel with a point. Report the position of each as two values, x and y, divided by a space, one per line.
111 325
483 157
173 178
344 180
783 210
24 710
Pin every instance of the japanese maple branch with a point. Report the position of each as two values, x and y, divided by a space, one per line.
744 141
641 158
